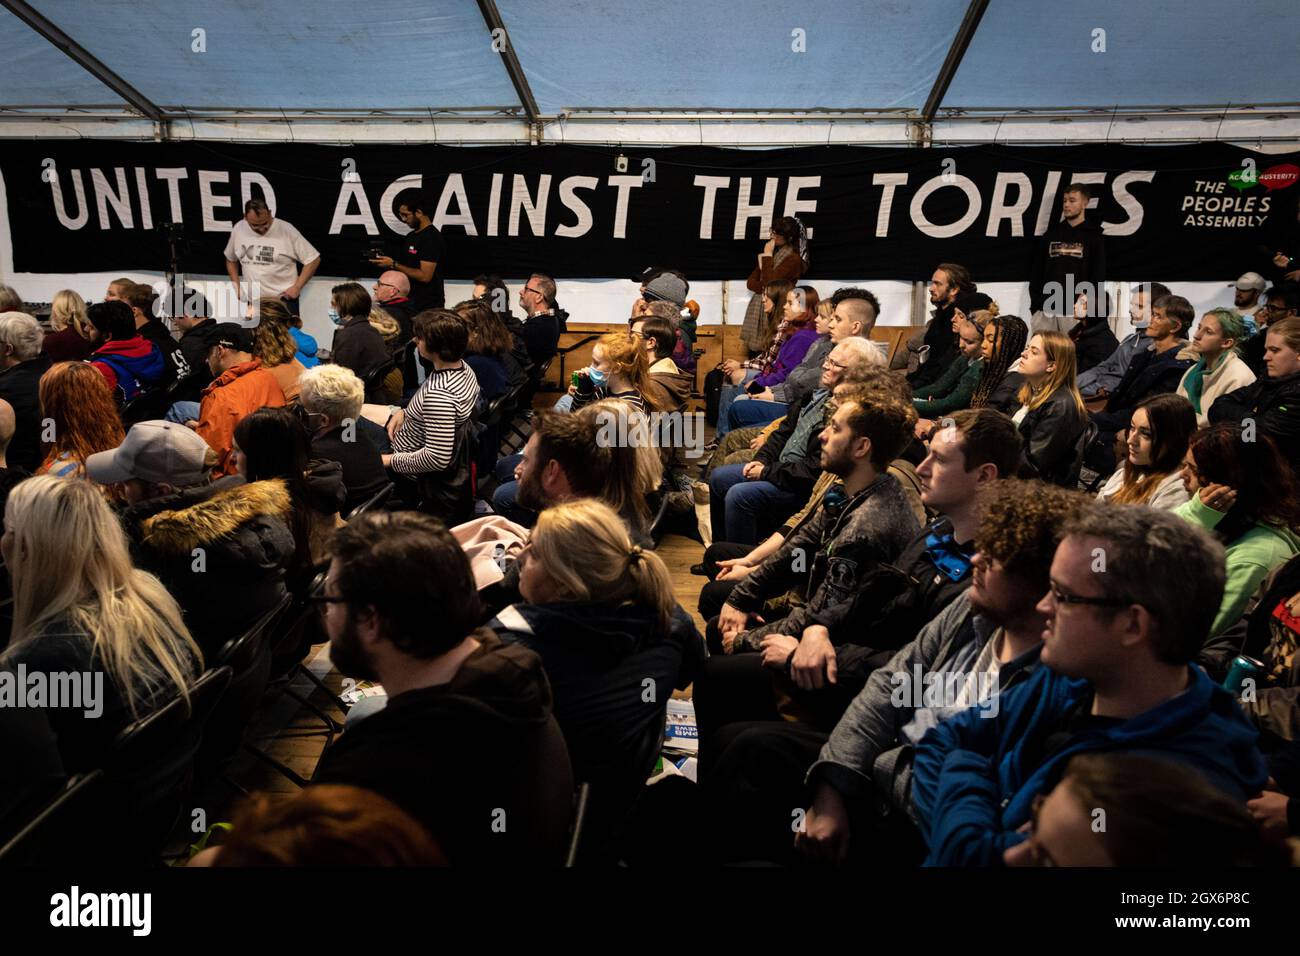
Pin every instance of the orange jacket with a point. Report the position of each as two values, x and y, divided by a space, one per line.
239 391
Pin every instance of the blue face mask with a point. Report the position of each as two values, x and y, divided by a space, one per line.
335 317
598 378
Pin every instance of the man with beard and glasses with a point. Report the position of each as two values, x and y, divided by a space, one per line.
466 743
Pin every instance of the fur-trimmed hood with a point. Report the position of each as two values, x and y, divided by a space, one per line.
177 532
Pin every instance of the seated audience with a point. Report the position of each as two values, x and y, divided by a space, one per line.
545 320
323 826
392 293
748 501
10 300
1118 649
144 310
83 419
198 335
332 396
981 645
618 369
275 348
1280 304
356 343
1153 372
387 327
10 474
1271 402
270 444
1051 417
1004 343
952 391
657 336
1218 369
852 313
305 345
600 613
80 606
1158 433
69 340
1244 493
1104 377
788 330
21 368
467 743
240 386
1093 339
682 318
563 460
129 362
432 431
1164 814
174 513
487 349
929 353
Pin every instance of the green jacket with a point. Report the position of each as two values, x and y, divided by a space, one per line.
1249 561
953 389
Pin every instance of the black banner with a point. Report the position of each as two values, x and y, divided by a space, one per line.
1169 212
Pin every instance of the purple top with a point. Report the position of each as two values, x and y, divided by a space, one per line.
791 354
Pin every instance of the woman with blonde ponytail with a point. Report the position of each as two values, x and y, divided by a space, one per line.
600 612
81 607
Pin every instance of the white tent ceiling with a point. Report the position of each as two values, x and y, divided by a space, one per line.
730 72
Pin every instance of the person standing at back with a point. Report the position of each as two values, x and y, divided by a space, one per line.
1069 261
269 251
422 252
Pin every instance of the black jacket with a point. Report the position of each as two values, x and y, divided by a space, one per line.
358 346
1067 256
799 474
1006 397
196 343
480 761
363 469
1274 403
20 387
541 335
598 656
943 351
1050 433
403 312
1093 343
221 550
177 363
1148 374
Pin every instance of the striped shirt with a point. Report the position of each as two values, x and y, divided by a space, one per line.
427 439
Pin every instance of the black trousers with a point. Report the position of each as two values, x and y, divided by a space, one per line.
714 594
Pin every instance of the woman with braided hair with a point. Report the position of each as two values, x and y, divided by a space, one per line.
600 612
999 386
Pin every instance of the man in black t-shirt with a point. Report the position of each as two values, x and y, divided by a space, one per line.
420 253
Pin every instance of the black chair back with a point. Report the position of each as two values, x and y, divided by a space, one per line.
373 503
47 838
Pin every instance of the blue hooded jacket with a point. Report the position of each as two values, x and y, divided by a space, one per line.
973 785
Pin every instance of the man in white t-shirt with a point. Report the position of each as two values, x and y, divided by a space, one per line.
269 251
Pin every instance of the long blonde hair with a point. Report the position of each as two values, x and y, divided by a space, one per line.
636 468
625 352
1060 352
70 562
69 308
587 553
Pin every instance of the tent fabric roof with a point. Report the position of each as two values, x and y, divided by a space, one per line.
672 57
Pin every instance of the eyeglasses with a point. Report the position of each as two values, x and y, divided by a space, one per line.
529 288
1065 597
386 285
831 363
323 601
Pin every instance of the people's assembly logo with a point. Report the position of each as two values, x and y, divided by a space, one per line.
1275 177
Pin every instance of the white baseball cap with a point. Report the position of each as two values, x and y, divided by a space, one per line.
157 452
1252 280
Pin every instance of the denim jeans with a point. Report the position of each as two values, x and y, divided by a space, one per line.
743 511
182 412
503 499
748 413
728 395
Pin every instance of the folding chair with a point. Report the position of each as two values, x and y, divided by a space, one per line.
45 839
581 798
373 503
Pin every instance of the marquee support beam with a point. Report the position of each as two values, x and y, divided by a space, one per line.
965 33
492 17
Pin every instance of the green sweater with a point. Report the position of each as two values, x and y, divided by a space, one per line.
1249 559
951 392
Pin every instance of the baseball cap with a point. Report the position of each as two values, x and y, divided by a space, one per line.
1251 280
233 336
158 452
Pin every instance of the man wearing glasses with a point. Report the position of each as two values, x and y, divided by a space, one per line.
1279 303
541 331
1132 594
392 291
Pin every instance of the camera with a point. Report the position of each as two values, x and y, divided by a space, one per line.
374 251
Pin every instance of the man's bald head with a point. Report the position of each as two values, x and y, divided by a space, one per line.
7 425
